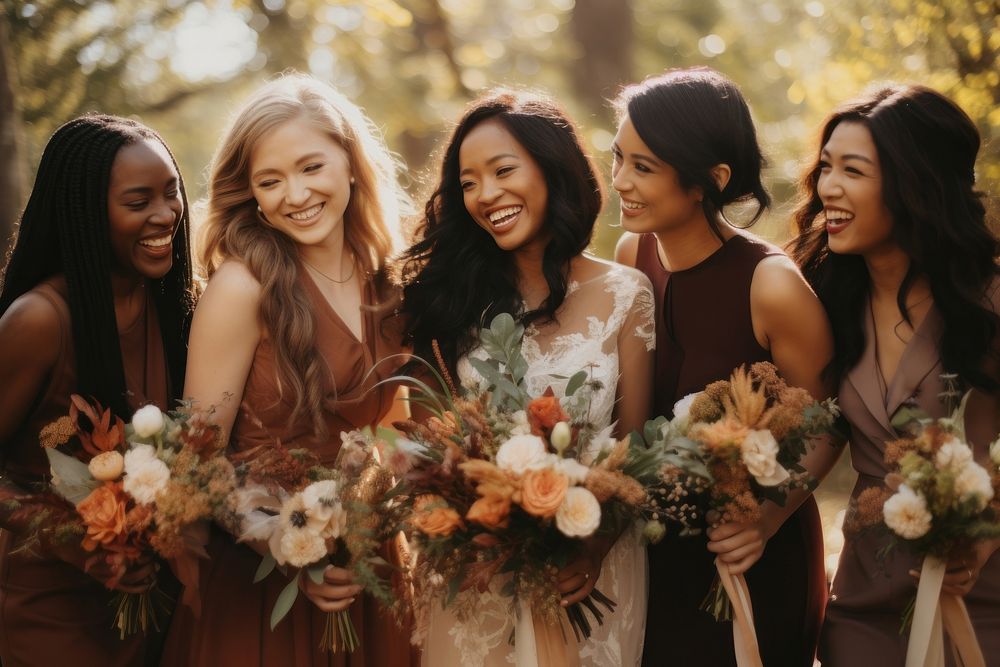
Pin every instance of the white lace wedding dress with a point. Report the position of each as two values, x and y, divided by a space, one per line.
602 325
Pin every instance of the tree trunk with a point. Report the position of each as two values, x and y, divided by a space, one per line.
11 153
603 33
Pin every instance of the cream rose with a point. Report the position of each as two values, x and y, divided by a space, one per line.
759 452
575 471
995 452
147 421
301 547
906 514
580 513
953 455
145 474
973 482
682 408
522 453
107 466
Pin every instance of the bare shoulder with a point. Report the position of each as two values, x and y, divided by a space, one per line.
589 268
778 283
32 329
233 283
627 249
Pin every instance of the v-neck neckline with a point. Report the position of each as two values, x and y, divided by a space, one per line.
332 313
886 387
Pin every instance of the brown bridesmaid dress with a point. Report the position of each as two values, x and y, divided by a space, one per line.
234 627
51 613
862 625
703 332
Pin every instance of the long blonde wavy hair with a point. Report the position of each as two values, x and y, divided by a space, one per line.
233 229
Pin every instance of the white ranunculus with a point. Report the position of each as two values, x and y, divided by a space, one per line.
520 424
906 514
522 453
107 466
580 513
301 547
147 421
953 455
759 452
145 474
575 471
973 482
682 408
995 452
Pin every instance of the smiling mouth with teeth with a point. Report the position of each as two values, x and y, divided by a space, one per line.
158 242
632 205
504 215
306 214
838 216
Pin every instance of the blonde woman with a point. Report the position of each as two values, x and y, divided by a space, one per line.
296 313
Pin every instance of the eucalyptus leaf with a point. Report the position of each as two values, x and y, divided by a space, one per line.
315 572
576 382
265 568
284 602
73 476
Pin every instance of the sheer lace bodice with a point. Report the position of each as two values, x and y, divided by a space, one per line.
604 324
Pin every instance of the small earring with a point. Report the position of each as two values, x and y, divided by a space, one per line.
352 180
260 215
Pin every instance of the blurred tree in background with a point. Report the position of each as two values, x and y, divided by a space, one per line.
181 65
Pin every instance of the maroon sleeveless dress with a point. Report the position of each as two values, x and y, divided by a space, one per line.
51 613
703 332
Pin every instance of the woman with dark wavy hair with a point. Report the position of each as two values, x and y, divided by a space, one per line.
686 149
893 237
95 299
505 231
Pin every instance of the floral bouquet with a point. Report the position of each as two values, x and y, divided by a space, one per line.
937 501
727 449
499 489
312 516
132 491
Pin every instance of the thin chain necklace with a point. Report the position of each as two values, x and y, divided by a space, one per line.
332 280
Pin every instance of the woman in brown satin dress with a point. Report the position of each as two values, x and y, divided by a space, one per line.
95 300
685 149
894 239
296 315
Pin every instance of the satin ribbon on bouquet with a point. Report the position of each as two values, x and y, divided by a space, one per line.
541 644
744 632
935 615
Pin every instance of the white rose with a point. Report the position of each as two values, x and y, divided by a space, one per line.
973 482
145 474
522 453
995 452
147 421
953 455
906 514
682 408
300 548
107 466
520 424
580 513
575 471
759 453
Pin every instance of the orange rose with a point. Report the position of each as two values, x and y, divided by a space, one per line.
542 491
492 511
545 412
432 516
103 512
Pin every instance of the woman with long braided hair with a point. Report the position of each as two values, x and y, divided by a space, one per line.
95 299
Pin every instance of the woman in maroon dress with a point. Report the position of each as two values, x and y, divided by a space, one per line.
685 149
894 238
296 314
95 300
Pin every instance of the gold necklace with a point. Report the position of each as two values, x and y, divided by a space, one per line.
332 280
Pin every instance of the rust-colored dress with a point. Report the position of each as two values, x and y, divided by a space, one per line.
869 595
703 332
51 613
234 627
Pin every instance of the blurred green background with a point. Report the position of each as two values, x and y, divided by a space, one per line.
181 66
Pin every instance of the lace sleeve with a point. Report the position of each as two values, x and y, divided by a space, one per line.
641 318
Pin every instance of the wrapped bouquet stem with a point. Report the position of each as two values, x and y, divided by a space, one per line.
744 633
936 614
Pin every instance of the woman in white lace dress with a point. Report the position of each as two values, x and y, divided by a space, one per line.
505 231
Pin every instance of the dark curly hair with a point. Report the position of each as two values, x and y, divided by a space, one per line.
65 229
927 149
456 277
694 119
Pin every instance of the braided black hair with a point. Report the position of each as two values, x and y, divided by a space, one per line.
65 229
